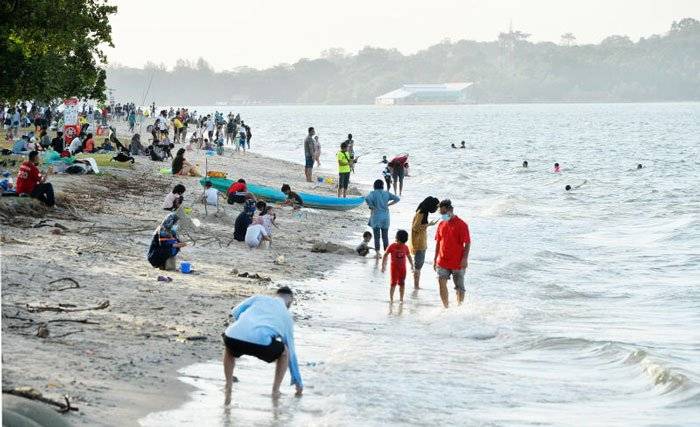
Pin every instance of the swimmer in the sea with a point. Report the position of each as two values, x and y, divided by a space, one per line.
525 163
557 169
463 145
453 145
640 166
384 160
569 188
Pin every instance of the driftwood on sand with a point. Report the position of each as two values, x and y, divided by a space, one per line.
33 394
65 307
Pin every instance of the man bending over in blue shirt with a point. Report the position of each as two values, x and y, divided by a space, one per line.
263 328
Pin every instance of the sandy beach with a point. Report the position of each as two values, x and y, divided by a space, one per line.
116 335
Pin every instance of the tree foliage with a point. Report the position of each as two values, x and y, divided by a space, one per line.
53 48
510 69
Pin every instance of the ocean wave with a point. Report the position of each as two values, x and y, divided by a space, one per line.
661 376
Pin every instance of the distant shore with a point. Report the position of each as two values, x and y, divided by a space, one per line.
121 363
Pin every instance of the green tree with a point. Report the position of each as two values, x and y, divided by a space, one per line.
52 49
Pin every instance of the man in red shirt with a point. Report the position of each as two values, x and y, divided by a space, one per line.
451 251
30 181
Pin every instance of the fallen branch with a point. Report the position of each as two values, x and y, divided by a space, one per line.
38 308
33 394
85 321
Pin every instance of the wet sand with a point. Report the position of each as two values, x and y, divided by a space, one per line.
119 363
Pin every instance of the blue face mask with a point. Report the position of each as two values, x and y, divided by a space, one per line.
445 217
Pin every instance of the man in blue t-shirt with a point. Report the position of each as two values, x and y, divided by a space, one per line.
264 328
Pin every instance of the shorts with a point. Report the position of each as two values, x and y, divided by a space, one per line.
309 162
398 277
397 174
268 353
235 198
343 180
419 259
457 277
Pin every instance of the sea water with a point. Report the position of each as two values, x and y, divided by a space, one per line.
583 307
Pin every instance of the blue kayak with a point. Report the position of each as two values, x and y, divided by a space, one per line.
270 194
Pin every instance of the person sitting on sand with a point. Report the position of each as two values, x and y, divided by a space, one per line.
363 248
266 217
238 192
211 195
243 220
255 235
399 253
30 181
165 244
57 143
135 148
175 198
107 145
89 146
263 327
181 166
76 146
293 199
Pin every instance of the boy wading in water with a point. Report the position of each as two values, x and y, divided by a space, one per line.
399 253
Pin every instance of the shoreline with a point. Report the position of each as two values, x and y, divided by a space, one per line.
105 223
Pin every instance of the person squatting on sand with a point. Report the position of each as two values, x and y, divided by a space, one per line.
263 327
165 244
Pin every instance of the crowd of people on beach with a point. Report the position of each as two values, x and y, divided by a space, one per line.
262 325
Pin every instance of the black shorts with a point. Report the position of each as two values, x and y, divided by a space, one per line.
268 353
235 198
343 179
309 162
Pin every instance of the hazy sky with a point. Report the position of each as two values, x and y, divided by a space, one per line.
261 33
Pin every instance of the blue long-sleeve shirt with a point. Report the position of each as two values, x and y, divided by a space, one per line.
260 319
378 201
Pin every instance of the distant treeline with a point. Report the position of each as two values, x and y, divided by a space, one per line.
510 69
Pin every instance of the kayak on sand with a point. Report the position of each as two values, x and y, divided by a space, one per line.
270 194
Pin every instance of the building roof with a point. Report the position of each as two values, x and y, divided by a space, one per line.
410 89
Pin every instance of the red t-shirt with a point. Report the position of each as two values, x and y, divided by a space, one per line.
28 177
90 145
451 237
398 252
237 187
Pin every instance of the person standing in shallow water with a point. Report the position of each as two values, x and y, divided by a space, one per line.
309 154
263 327
451 252
378 202
419 235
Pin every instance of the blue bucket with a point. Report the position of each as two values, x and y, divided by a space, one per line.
185 267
